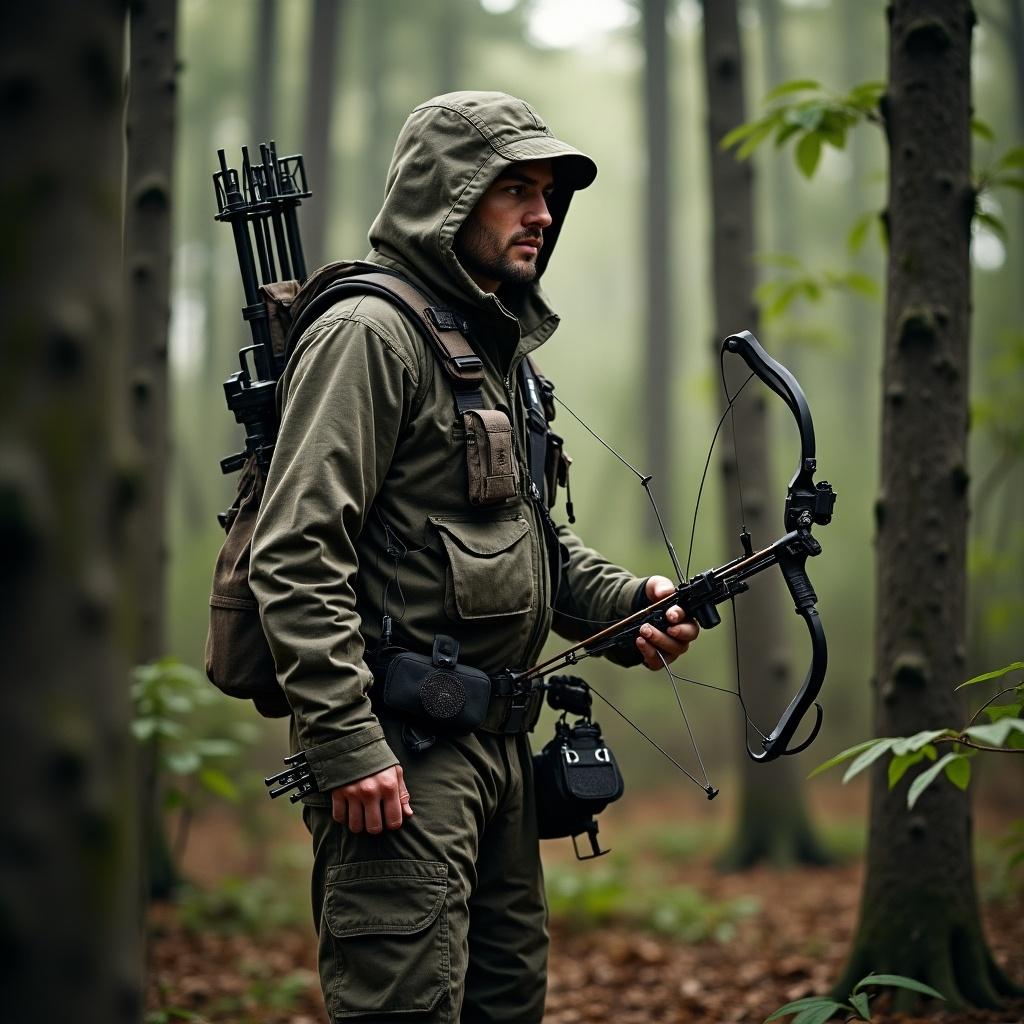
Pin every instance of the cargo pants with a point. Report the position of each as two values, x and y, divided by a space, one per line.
443 920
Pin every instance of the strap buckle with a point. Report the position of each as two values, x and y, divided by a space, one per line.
523 710
447 320
468 364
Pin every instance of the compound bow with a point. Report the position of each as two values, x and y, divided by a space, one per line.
807 503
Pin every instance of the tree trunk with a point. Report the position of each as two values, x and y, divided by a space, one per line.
262 114
68 897
919 915
773 823
152 95
323 50
658 251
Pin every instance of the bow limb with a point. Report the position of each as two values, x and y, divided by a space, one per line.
777 742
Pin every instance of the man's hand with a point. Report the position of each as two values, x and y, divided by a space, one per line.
681 632
372 804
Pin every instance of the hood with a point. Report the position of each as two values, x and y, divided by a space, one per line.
450 150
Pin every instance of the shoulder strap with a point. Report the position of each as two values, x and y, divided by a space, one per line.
537 422
444 329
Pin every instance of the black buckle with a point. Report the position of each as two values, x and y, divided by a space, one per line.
446 651
520 704
468 364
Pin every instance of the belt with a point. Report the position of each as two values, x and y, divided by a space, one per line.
512 706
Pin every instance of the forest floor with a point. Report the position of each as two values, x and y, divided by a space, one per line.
653 933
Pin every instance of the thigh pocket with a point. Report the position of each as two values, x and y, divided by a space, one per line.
490 566
387 928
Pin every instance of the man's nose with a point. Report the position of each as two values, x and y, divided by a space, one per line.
537 215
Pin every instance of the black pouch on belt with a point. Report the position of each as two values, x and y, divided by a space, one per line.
435 695
575 774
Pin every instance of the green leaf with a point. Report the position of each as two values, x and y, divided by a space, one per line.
996 674
785 133
742 131
216 782
182 762
926 778
807 115
865 97
216 748
818 1015
859 1001
898 981
788 88
1009 181
908 744
1011 158
143 728
959 772
808 153
868 758
901 762
855 281
982 130
995 733
755 139
992 222
843 755
997 711
859 231
798 1006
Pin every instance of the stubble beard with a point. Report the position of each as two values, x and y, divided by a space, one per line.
483 252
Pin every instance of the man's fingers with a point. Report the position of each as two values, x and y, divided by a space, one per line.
371 816
403 794
339 808
355 816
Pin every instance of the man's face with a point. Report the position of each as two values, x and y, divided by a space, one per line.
501 239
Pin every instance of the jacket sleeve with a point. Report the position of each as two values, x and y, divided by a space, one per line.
346 396
594 593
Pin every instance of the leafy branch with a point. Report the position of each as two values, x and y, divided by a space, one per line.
1003 734
814 121
818 1009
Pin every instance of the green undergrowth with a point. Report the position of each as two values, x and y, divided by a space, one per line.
583 897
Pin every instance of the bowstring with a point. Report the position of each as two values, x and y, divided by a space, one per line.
681 576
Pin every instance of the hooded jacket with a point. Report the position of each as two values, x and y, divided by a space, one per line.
366 510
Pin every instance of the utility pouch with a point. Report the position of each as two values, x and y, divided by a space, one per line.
493 477
435 695
575 775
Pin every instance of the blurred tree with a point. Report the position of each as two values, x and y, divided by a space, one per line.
658 355
451 19
68 899
773 823
149 125
327 22
262 114
919 915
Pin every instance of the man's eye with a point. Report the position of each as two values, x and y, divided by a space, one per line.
514 190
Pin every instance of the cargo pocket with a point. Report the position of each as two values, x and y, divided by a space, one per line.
490 567
385 945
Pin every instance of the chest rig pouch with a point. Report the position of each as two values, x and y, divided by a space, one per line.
436 695
575 775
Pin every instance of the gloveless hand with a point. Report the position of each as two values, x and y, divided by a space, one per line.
681 632
372 804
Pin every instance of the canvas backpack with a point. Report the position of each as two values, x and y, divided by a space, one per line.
238 657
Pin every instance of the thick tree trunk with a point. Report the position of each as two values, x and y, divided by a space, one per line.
323 50
773 823
152 96
68 899
658 354
920 908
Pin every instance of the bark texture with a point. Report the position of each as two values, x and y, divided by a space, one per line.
773 823
69 940
920 909
658 355
150 120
